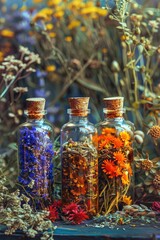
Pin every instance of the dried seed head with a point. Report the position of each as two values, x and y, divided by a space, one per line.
156 181
115 66
146 164
155 132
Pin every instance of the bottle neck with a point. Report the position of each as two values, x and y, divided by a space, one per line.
113 114
35 118
78 115
35 115
77 119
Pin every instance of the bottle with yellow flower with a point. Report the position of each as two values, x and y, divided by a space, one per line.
115 156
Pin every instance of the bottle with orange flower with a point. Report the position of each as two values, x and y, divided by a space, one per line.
115 156
79 158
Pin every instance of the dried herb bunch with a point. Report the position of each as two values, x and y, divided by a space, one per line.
16 213
13 69
128 216
138 28
80 174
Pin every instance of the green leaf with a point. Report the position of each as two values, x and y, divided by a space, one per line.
91 85
13 146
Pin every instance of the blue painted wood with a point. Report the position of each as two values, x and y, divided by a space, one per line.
81 232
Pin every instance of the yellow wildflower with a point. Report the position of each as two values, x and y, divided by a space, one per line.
49 26
52 34
88 10
47 11
37 1
59 14
44 14
74 24
94 16
7 33
50 68
53 2
68 39
89 4
102 12
83 29
75 5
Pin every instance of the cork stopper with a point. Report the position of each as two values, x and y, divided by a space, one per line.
113 106
79 106
35 107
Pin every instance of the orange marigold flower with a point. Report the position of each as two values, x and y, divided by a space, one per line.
127 200
108 131
124 178
109 168
110 138
117 143
119 157
118 171
103 144
124 136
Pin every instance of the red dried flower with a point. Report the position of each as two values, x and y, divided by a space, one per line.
57 204
77 216
74 213
53 213
156 206
67 209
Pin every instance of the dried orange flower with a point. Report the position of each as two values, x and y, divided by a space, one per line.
127 200
119 157
109 131
103 144
117 143
109 168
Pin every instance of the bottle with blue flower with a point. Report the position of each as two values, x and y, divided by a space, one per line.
35 153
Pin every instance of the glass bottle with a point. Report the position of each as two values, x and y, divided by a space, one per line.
35 153
79 158
115 156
